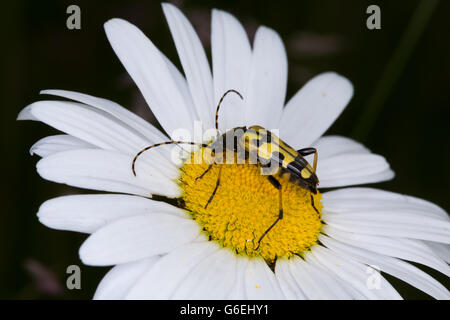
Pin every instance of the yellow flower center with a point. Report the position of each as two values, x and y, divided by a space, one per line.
245 205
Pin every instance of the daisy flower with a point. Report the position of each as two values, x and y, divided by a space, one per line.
160 250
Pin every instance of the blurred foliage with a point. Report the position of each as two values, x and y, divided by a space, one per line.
39 52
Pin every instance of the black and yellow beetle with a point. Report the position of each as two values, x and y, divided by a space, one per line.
274 157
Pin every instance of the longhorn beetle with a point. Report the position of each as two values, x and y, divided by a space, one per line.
274 157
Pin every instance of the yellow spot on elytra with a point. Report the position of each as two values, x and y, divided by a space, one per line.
245 205
305 173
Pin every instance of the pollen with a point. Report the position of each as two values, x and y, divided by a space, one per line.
245 205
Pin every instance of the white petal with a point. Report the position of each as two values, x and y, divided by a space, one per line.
393 266
194 61
314 108
88 124
101 129
231 56
119 280
359 206
330 146
305 278
266 91
211 279
161 281
442 250
355 274
406 249
260 282
342 289
182 85
116 110
389 221
25 114
88 213
62 142
351 198
288 285
316 282
137 237
106 171
343 161
403 225
238 290
151 73
351 169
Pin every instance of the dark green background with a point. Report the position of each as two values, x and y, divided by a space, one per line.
39 52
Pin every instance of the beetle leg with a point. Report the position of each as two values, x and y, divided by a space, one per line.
306 152
215 189
206 171
277 185
312 203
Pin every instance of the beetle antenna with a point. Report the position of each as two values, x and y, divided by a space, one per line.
162 144
220 102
